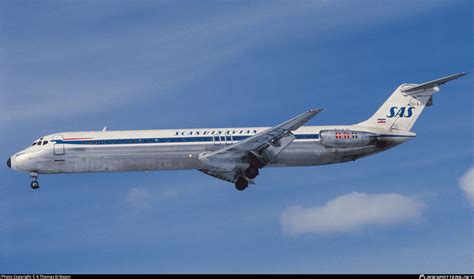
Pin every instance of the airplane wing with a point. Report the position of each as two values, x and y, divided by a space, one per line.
262 147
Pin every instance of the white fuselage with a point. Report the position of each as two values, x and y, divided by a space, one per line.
148 150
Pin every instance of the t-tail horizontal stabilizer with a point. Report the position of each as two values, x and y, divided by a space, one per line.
430 84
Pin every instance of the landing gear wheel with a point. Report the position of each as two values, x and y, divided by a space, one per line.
34 185
241 184
252 172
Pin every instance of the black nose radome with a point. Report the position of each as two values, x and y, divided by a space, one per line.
9 163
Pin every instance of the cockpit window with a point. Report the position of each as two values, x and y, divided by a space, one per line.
45 142
34 143
39 142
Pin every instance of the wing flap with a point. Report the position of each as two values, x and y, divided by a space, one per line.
226 176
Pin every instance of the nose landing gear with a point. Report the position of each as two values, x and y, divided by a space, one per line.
34 183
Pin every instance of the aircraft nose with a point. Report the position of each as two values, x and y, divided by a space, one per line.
9 162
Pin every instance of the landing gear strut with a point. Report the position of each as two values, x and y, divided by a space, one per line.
34 183
241 184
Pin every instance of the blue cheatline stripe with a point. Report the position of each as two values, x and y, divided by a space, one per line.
169 140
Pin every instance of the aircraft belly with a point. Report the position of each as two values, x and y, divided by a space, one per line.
314 153
126 158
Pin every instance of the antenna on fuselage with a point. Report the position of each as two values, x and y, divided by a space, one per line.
104 129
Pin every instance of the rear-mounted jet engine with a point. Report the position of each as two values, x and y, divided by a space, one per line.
347 138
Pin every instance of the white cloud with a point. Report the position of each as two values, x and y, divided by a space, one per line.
351 212
139 199
466 182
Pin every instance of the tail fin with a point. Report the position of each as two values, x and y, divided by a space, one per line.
402 108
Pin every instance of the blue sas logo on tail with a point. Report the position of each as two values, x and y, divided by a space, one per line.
402 112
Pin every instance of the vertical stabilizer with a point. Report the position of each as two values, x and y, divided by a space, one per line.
401 110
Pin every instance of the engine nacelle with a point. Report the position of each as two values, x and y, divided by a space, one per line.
347 138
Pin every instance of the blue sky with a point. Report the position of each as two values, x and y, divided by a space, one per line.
83 65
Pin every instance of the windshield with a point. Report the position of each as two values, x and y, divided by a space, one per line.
39 142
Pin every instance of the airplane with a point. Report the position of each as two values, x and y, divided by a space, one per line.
234 155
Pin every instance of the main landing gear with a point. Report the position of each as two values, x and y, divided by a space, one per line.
252 172
34 183
242 182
